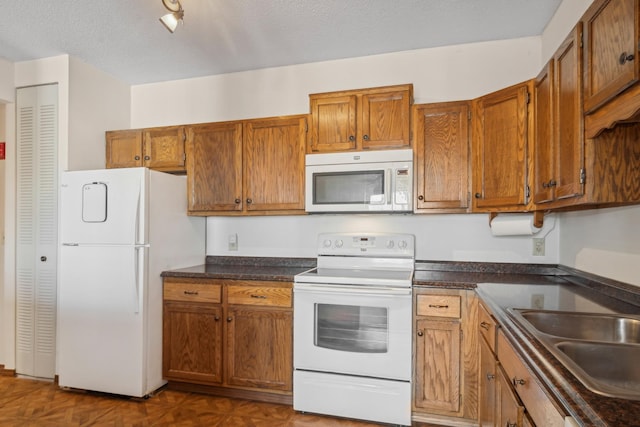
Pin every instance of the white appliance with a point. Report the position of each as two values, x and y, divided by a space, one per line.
363 181
352 328
120 228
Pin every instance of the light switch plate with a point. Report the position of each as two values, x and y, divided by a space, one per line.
233 242
538 246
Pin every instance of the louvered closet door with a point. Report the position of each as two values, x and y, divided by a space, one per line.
36 234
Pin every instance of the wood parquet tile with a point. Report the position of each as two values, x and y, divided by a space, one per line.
33 403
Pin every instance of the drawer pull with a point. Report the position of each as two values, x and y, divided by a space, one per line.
485 325
191 292
259 296
516 382
490 377
510 424
438 306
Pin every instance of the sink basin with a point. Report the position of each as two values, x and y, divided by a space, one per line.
585 326
611 369
601 350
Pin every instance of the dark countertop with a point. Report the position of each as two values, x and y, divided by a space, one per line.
588 408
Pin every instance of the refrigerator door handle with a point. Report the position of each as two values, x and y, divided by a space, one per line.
138 279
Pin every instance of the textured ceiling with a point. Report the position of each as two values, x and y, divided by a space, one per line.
125 38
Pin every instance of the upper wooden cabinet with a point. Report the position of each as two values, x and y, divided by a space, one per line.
375 118
611 36
559 141
501 150
159 148
251 166
441 148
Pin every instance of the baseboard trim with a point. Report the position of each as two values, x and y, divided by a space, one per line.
7 372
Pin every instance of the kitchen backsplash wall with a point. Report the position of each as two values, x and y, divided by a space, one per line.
451 237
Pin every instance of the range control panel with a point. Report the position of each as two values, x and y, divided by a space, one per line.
384 245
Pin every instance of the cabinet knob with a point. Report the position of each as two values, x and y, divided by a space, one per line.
478 196
516 382
365 137
352 138
552 183
216 318
147 158
238 201
490 377
420 197
136 158
229 319
249 201
510 424
624 57
545 185
420 333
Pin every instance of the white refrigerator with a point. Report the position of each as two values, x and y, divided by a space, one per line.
120 228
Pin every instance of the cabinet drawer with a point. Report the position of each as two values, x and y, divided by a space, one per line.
259 295
438 305
192 292
538 404
487 326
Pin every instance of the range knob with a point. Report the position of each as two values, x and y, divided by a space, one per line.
326 243
339 243
390 244
402 244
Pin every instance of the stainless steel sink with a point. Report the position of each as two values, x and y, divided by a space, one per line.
601 350
585 326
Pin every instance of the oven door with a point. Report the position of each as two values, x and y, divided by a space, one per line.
354 330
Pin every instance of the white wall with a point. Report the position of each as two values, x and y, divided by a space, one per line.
442 74
97 102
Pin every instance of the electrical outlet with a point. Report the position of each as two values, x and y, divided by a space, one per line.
537 301
538 246
233 242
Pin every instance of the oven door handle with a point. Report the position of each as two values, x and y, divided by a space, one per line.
353 290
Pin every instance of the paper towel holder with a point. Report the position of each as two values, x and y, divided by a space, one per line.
538 218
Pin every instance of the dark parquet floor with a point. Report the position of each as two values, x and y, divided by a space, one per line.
27 402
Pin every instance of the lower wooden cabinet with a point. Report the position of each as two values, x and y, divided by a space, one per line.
488 384
235 337
510 411
446 355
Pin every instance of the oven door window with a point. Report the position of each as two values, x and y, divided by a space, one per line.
362 187
352 328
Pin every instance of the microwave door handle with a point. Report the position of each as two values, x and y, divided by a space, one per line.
387 186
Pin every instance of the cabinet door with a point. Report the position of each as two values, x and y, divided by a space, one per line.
333 120
441 146
568 119
192 342
437 385
511 411
385 119
611 50
214 167
544 135
259 348
164 149
124 148
487 406
500 149
274 152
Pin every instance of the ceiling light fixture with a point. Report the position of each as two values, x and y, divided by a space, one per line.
170 20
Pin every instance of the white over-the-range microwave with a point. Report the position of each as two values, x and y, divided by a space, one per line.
362 181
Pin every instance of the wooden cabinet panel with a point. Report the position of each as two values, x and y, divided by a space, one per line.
438 356
192 292
441 147
124 149
544 135
214 167
487 327
333 120
259 348
273 164
192 342
361 119
500 149
159 148
611 50
164 148
487 395
538 404
510 412
385 119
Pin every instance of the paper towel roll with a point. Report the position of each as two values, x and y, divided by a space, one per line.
513 225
